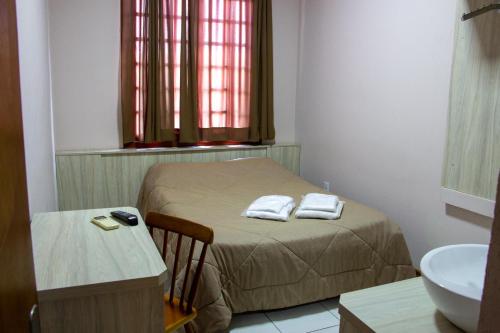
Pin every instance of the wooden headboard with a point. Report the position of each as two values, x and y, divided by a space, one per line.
112 178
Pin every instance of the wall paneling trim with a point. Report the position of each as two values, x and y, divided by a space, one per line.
110 178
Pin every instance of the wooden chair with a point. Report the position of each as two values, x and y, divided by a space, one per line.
180 312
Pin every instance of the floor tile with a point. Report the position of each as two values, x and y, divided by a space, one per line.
251 323
334 329
332 305
304 318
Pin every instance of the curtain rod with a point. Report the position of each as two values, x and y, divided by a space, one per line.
480 11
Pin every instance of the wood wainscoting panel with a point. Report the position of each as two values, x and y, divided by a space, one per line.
473 149
286 155
100 179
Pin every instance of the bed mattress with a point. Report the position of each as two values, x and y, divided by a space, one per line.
261 265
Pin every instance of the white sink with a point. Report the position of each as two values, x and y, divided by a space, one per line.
454 276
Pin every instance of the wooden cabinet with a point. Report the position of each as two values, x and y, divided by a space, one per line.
397 307
92 280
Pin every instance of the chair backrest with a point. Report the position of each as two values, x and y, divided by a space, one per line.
196 232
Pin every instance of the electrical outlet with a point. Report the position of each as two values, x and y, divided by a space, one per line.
326 186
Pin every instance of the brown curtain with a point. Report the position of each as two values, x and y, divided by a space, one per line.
224 70
188 115
147 79
155 73
127 60
164 71
261 98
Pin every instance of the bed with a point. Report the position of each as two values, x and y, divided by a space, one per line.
261 265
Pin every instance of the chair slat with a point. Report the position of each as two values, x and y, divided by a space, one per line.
197 232
174 271
186 274
165 239
194 284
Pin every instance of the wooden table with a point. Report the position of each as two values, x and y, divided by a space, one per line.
92 280
400 307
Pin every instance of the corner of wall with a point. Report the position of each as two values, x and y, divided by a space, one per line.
32 22
52 133
300 33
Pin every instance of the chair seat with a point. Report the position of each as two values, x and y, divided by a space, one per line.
174 318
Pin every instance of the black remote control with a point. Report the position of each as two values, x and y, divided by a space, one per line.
128 218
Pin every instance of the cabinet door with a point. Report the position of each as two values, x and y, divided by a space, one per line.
489 320
17 278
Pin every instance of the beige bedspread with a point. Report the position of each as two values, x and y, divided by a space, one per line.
259 265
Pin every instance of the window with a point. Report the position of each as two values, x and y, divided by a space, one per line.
223 71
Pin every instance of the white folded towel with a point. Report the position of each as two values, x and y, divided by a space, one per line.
318 214
320 202
271 207
283 215
270 203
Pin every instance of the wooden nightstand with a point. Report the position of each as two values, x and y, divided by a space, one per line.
92 280
399 307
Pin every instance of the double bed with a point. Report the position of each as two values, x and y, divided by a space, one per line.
259 264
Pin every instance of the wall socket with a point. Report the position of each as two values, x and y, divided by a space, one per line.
326 186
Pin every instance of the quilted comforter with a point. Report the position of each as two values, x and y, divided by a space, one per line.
261 265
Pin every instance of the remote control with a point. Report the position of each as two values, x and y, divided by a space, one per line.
128 218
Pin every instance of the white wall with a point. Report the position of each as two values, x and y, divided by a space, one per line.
85 52
369 106
286 33
85 58
372 111
36 106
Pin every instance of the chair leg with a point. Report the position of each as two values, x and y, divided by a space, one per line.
188 328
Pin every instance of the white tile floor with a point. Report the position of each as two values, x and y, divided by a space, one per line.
320 317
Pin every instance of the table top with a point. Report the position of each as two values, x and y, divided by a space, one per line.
74 257
402 306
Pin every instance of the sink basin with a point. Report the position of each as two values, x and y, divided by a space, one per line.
454 277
